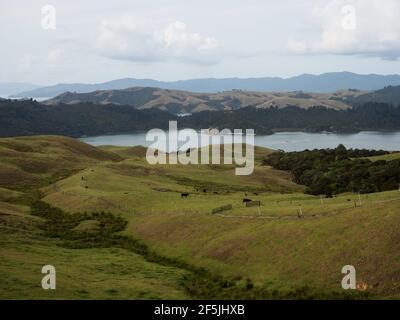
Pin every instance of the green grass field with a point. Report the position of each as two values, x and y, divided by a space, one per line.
268 245
81 273
387 157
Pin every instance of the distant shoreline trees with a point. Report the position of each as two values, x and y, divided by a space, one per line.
85 119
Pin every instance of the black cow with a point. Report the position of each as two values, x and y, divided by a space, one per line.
247 200
184 194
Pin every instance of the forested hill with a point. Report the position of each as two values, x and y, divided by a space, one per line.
371 116
31 118
389 94
335 171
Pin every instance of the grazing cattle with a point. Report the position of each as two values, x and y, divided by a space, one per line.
86 187
255 193
184 194
204 190
247 200
82 178
215 192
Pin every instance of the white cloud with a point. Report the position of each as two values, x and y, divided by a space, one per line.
24 64
128 39
54 56
358 27
176 36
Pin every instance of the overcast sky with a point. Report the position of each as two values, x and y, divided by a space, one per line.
96 40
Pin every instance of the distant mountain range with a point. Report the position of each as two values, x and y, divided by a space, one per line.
15 87
324 83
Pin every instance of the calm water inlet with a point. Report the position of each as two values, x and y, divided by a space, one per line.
287 141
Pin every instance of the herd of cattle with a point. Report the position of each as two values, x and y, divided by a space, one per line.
247 201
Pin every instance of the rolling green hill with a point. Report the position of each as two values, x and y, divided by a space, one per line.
386 157
28 162
176 102
96 273
174 247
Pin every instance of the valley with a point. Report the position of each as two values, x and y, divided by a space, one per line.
260 252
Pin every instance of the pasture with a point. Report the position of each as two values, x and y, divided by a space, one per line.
270 245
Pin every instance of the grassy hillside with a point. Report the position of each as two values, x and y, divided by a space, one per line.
265 251
386 157
133 185
28 162
284 251
96 273
176 101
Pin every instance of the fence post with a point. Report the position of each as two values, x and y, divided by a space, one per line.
300 212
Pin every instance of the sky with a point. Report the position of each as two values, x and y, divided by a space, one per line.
52 41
